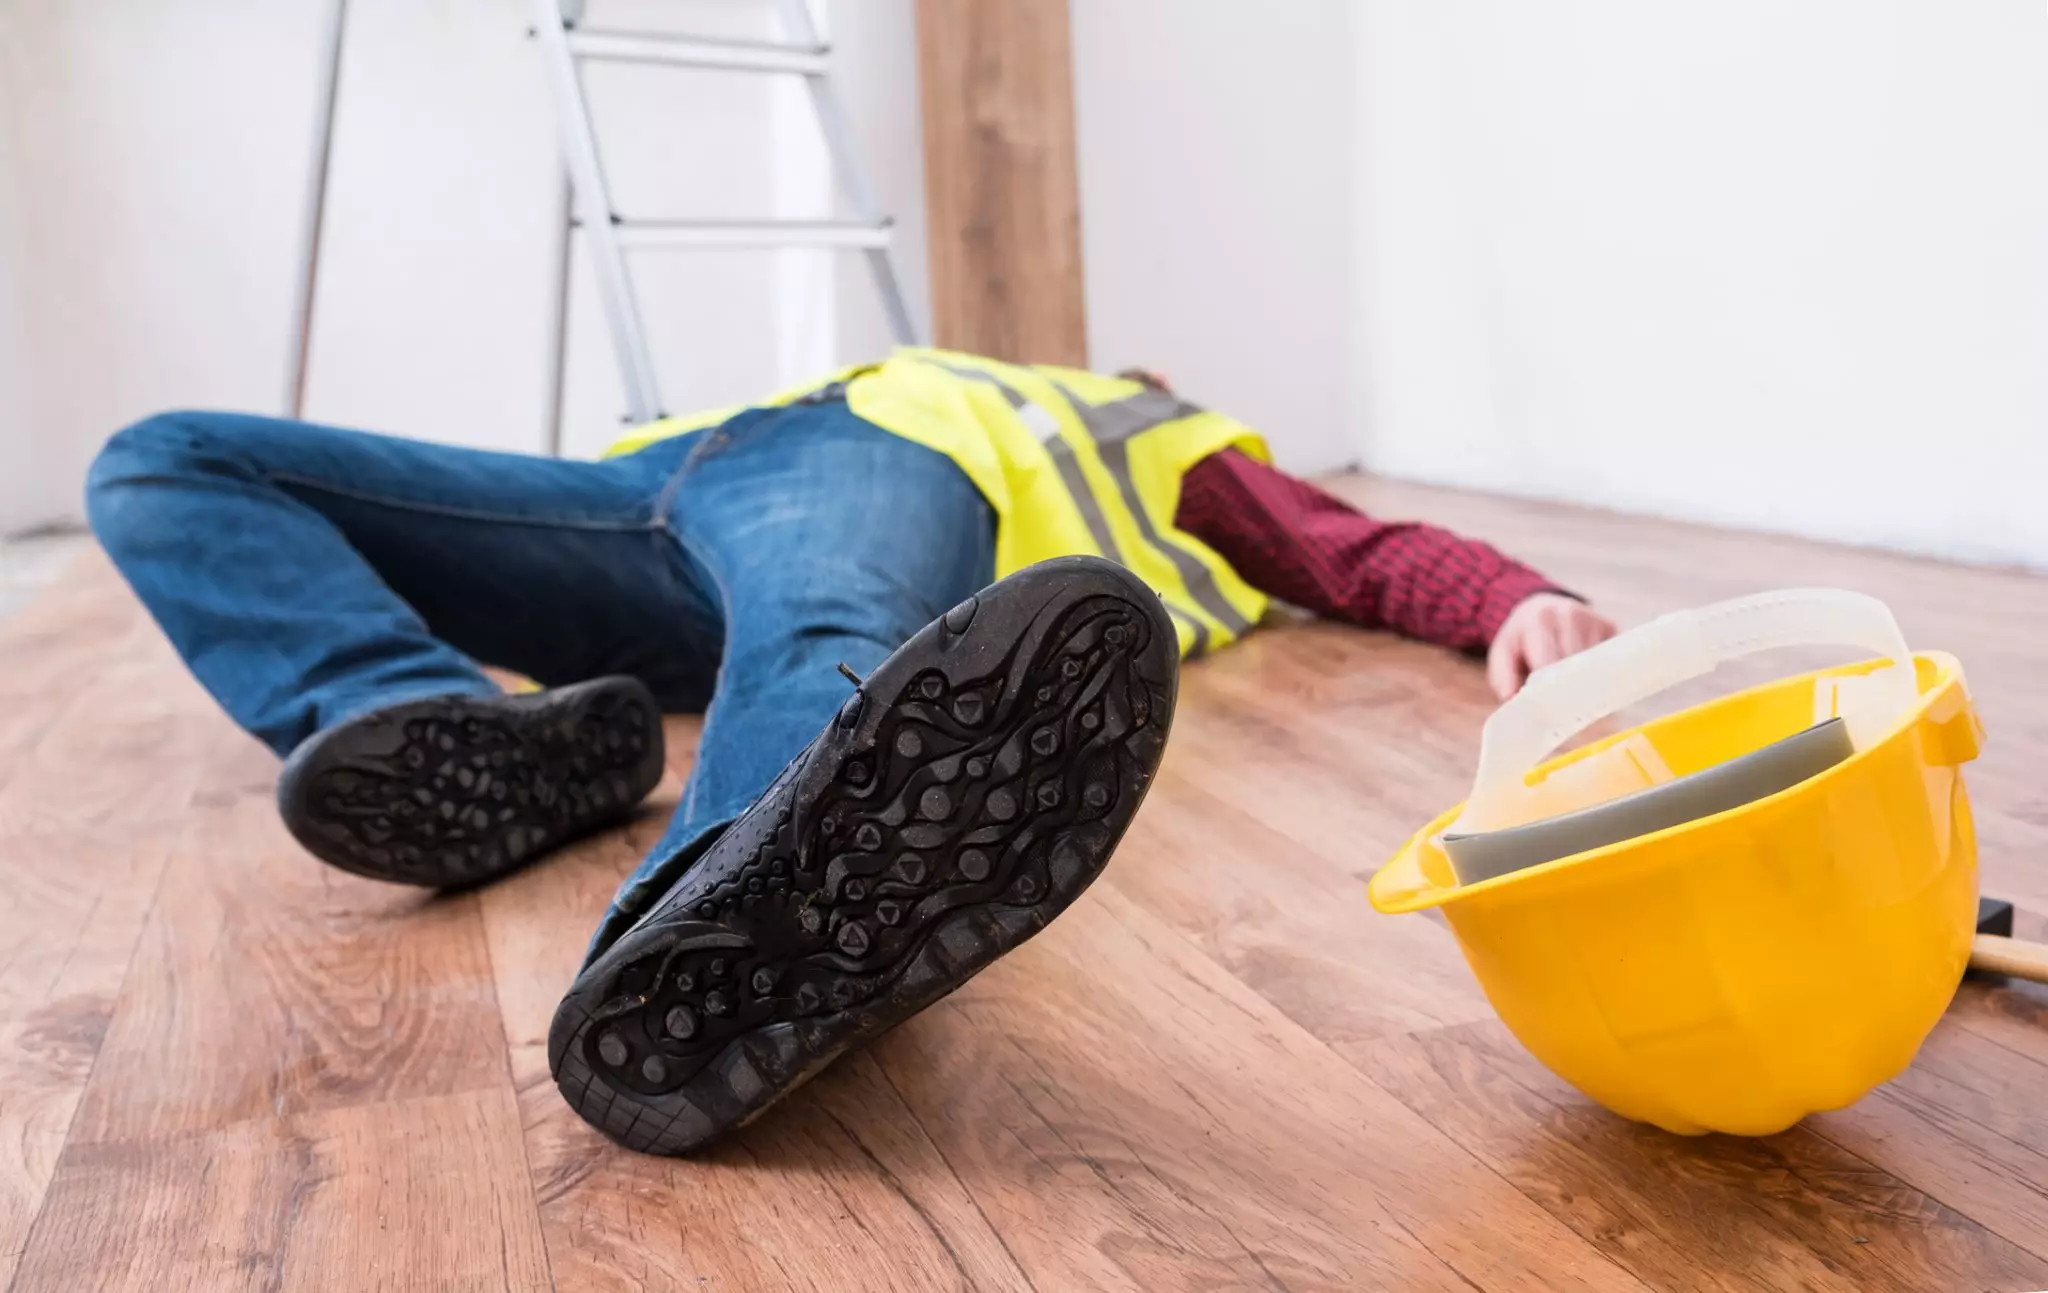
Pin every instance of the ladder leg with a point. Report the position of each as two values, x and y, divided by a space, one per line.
798 27
882 264
600 230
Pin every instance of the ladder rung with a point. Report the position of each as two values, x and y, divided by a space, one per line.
762 233
685 51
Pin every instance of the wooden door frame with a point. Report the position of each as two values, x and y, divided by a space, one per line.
1002 195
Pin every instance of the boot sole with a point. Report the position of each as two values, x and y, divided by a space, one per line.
457 790
971 790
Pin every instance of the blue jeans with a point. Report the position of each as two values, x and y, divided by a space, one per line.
307 574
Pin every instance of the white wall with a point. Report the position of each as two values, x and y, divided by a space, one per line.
1741 263
22 470
1216 215
154 164
441 267
875 43
1769 265
681 145
440 254
154 175
726 327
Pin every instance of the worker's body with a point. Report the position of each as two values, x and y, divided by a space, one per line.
335 591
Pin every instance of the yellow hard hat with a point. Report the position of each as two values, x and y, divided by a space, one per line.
1735 971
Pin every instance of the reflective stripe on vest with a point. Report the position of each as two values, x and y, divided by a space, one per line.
1062 474
1047 428
1109 425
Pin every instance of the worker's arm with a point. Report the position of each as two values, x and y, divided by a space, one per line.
1295 542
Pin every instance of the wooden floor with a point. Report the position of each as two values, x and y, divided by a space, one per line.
225 1066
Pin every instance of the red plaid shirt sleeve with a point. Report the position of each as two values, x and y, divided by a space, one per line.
1295 542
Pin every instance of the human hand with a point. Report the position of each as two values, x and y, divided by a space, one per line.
1543 628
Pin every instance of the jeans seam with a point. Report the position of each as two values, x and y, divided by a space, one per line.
694 783
666 499
707 440
718 439
455 513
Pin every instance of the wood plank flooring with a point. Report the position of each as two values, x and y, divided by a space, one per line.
224 1066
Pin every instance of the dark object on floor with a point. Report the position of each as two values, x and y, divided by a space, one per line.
1996 951
970 789
1994 916
1777 766
456 790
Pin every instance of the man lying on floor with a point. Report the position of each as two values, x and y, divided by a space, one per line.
849 848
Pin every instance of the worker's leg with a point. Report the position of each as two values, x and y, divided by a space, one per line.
307 573
971 788
831 542
319 580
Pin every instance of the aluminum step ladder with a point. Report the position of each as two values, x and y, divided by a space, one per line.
565 45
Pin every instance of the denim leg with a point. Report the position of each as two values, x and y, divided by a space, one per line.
307 573
831 541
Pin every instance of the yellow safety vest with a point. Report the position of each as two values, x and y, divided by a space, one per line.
1070 461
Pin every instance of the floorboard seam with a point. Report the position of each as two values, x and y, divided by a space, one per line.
1974 1220
142 928
1366 1078
483 929
954 1172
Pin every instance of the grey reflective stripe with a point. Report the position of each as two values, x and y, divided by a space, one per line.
1196 629
1047 428
1042 423
1111 426
1200 580
1124 418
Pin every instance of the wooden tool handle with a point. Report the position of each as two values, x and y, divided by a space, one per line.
2010 956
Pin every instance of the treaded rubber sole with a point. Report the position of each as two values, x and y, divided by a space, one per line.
970 790
457 790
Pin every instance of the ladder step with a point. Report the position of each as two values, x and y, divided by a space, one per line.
697 51
759 233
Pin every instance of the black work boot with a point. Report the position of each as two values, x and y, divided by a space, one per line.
456 790
969 789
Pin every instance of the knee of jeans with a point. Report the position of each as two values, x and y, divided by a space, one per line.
164 446
854 630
